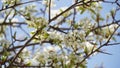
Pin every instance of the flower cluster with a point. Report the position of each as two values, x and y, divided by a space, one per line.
37 22
46 2
10 2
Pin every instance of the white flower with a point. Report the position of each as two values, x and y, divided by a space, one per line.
108 30
3 41
74 38
46 2
18 60
113 27
27 61
86 0
1 20
3 1
90 36
67 61
39 22
49 49
25 53
10 1
31 61
24 50
98 4
34 62
89 46
55 35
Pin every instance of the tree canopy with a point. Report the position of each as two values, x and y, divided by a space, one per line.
47 33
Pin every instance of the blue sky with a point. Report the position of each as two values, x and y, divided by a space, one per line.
108 61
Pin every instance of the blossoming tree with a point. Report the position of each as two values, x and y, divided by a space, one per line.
39 33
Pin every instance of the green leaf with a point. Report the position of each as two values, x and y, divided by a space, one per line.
82 11
83 66
14 36
93 11
28 64
87 33
86 50
46 35
75 26
112 12
3 58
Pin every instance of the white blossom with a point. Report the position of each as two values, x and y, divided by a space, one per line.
3 41
2 20
46 2
4 1
74 38
31 61
26 61
89 46
49 49
113 27
108 30
10 1
55 35
34 62
25 53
